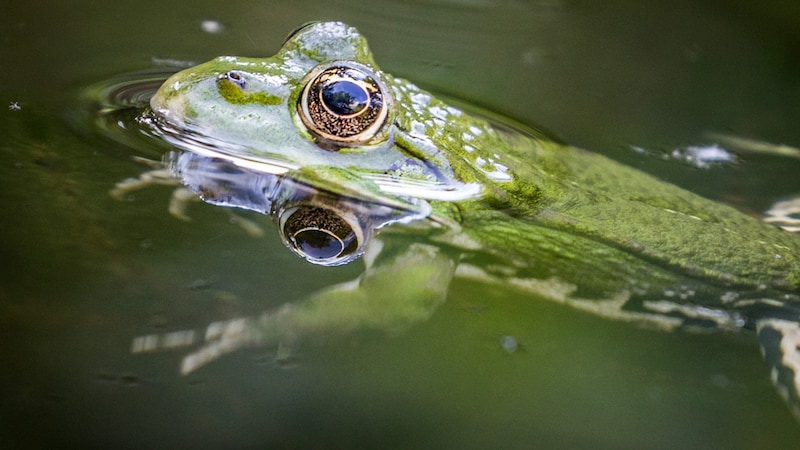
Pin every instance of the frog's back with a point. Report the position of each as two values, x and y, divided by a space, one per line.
611 205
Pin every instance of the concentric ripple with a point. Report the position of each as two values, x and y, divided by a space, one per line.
114 109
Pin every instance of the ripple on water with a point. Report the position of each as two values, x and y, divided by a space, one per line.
112 108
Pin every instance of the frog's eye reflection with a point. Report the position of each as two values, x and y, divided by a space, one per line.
320 234
344 103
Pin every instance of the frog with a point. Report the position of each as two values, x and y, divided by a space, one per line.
344 157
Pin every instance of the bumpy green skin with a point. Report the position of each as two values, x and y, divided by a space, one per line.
598 204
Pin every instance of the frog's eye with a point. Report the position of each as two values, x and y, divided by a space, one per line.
321 234
345 104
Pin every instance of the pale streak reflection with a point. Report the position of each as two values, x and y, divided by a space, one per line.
166 341
220 338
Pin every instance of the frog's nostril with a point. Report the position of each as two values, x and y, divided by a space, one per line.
235 78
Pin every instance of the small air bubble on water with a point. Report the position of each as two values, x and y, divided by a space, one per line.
211 26
509 344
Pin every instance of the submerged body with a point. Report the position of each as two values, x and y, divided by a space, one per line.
334 149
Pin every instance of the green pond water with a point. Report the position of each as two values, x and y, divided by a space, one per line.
84 274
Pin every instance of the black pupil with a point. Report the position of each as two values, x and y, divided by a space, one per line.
344 98
317 244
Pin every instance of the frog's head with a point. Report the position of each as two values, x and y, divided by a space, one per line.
321 101
321 111
321 91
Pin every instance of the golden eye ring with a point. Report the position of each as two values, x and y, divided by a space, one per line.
321 234
345 104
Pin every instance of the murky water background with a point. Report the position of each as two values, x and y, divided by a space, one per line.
83 274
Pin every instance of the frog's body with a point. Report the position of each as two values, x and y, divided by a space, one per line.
561 223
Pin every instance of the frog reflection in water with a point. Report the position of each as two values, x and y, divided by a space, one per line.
333 148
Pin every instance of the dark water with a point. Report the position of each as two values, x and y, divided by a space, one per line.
84 274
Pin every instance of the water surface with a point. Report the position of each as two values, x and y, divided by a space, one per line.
84 274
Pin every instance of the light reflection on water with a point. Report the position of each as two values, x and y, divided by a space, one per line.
87 274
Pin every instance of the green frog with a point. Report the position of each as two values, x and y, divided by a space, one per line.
336 150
